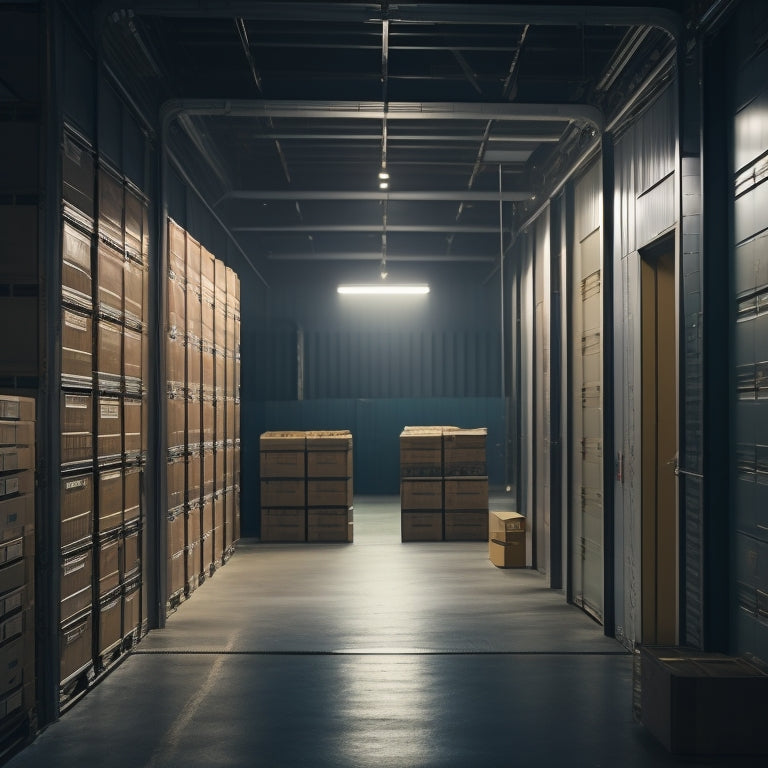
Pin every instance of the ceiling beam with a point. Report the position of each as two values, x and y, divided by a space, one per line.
425 196
428 228
527 138
468 14
375 256
376 110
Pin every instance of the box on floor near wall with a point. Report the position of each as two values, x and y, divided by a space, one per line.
287 525
466 526
288 464
509 554
330 525
703 703
505 526
421 526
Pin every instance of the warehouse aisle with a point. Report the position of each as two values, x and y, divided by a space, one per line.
371 654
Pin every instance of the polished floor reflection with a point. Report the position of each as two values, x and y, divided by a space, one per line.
371 654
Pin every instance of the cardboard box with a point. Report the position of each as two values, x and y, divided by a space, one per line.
466 526
109 440
16 482
77 171
76 497
177 307
133 477
193 567
17 513
510 554
109 554
110 294
703 703
419 462
176 531
76 428
504 526
282 441
175 473
13 408
76 575
17 433
283 525
193 526
286 464
466 494
193 251
328 440
327 463
131 608
283 493
421 494
110 623
207 425
130 561
177 250
134 221
76 349
206 547
194 478
133 299
421 526
208 473
132 370
206 514
464 462
175 573
13 458
75 638
110 494
132 423
329 493
110 189
329 525
194 427
76 284
176 410
109 350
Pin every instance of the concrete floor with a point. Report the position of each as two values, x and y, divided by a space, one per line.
375 653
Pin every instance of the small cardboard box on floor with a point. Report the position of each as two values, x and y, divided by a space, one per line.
506 539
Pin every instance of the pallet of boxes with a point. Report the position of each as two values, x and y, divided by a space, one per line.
506 539
443 484
17 569
306 486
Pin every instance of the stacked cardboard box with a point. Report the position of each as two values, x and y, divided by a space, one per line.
306 486
17 560
443 484
506 539
104 413
203 435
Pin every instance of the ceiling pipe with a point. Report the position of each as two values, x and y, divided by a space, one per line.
428 228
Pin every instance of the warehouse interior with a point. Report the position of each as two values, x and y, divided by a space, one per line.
571 192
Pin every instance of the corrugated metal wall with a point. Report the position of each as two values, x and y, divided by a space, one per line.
542 390
749 256
585 396
645 207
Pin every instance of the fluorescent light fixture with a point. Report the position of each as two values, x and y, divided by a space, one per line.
380 289
383 175
383 185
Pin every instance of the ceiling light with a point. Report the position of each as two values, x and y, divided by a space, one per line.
383 175
389 290
383 185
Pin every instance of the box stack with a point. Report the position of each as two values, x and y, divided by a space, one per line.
17 565
466 484
506 539
443 484
329 486
306 486
421 483
283 461
203 413
103 413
